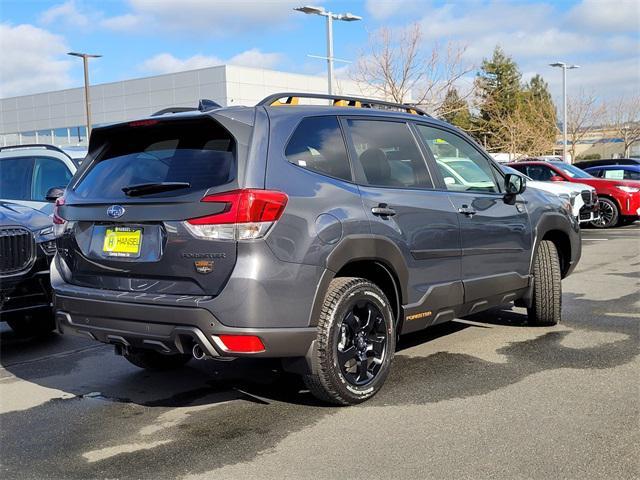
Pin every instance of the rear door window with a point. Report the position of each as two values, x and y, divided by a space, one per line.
388 154
47 173
201 153
317 144
15 178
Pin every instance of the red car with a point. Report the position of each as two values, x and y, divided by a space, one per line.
619 199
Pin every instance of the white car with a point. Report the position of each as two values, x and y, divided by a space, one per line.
30 171
583 198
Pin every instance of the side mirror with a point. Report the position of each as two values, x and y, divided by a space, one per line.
54 193
514 184
556 178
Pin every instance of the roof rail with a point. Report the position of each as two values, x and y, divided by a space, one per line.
204 105
34 145
292 98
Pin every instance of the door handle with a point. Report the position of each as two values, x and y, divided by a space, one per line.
383 210
466 210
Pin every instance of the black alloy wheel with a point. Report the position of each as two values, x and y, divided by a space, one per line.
608 214
361 345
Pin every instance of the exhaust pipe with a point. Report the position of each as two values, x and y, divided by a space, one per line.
198 353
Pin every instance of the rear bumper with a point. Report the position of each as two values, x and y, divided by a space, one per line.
169 329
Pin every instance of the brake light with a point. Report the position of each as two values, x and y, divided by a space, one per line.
143 123
242 343
248 214
58 220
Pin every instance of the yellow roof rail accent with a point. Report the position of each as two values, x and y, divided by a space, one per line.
288 101
293 98
347 103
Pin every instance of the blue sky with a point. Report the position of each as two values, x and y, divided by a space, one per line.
146 37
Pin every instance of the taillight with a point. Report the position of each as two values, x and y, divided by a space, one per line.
248 214
58 220
242 343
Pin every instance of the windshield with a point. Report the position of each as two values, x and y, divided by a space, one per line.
570 170
199 155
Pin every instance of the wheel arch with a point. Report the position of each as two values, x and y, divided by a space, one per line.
558 229
375 258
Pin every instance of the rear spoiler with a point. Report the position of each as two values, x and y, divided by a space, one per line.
204 105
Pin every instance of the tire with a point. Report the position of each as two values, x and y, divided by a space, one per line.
609 214
546 307
154 361
352 357
33 324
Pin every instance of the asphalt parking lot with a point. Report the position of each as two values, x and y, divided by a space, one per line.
484 397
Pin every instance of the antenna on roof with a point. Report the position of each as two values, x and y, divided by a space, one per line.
205 105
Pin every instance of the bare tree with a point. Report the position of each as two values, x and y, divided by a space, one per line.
397 67
624 120
519 131
584 114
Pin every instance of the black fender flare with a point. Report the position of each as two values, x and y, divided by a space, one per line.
356 248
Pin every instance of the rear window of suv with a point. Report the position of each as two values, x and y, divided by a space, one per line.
201 153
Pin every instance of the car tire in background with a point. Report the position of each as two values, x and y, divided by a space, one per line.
609 214
546 305
33 324
355 343
154 361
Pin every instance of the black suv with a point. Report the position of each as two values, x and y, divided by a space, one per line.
312 233
27 246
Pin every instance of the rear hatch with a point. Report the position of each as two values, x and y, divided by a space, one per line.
125 216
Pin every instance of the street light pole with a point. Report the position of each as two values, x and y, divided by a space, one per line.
330 54
330 16
564 67
87 100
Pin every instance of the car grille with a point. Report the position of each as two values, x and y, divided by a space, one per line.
590 197
17 248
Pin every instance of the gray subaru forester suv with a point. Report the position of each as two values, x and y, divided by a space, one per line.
316 233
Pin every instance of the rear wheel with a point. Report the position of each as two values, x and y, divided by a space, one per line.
609 214
32 324
152 360
546 307
355 343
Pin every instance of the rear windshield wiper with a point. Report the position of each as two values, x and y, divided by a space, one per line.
147 188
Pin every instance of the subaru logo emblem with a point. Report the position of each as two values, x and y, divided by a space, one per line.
115 211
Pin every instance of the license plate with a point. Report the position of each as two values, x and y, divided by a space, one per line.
122 242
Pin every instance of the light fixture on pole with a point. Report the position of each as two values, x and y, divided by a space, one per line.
87 101
330 16
564 67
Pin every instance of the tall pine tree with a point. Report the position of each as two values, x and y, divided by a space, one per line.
514 117
455 110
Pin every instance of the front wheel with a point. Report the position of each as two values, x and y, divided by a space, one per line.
546 306
609 214
355 343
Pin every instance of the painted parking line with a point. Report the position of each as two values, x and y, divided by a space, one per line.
597 239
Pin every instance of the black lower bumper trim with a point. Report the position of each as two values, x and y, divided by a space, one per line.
169 329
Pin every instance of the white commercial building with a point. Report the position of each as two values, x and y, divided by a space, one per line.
59 117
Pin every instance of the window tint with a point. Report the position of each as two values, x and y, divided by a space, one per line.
631 175
201 153
540 173
48 172
15 178
388 154
317 145
462 166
